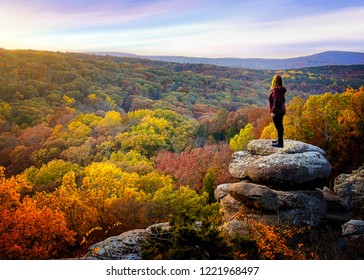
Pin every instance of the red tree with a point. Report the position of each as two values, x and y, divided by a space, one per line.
190 167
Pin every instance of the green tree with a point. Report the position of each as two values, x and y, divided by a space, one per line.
186 239
49 176
193 231
208 185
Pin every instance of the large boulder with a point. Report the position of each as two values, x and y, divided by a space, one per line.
303 208
255 196
221 191
245 201
126 246
350 187
297 166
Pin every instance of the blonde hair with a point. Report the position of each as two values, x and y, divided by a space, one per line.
277 82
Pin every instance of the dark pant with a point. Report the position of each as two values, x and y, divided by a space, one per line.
278 122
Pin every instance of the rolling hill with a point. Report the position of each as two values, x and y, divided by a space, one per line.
319 59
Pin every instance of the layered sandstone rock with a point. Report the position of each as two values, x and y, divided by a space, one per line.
244 202
297 166
278 187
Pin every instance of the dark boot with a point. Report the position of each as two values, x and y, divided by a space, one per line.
278 144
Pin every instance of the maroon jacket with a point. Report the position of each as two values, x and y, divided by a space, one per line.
277 101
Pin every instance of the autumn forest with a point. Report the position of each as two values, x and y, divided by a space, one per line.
93 146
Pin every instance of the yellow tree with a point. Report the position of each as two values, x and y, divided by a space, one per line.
319 119
293 119
351 125
351 118
240 141
270 132
111 124
292 122
115 196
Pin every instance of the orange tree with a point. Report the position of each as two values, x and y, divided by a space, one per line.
28 231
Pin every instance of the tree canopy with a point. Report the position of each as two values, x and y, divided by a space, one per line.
92 146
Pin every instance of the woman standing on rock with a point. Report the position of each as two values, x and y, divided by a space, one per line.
277 105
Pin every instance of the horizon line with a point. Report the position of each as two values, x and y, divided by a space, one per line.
179 56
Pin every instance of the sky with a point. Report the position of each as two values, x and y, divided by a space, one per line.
199 28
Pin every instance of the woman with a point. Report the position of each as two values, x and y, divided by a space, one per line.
277 105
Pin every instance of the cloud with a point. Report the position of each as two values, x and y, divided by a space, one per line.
191 27
328 29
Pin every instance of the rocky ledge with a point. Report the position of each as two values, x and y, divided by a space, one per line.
297 166
126 246
244 201
287 186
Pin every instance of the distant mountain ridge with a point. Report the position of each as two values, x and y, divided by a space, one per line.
319 59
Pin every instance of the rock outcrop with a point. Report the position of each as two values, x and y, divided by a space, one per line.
126 246
278 187
244 202
350 187
297 166
286 186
